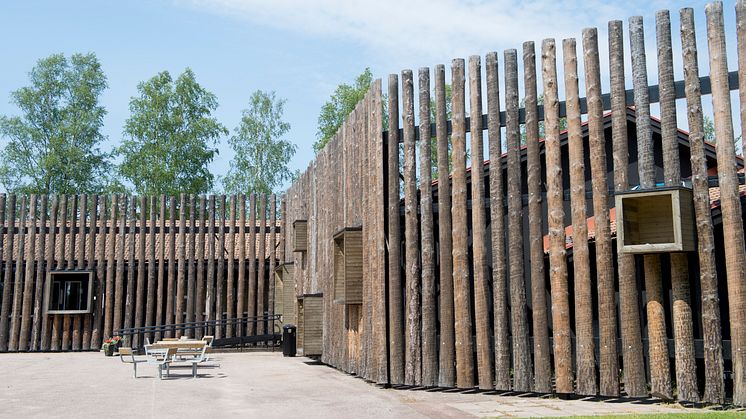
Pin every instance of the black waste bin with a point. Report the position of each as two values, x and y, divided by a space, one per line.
288 340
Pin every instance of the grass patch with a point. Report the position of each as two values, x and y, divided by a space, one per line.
688 415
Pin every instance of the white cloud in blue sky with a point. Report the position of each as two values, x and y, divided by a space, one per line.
300 49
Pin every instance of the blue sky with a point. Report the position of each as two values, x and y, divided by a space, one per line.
300 49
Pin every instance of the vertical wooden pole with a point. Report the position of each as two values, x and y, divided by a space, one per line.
210 292
609 359
660 374
729 197
446 352
28 281
501 324
171 284
152 297
585 347
561 332
129 305
77 242
160 301
686 374
396 329
8 233
62 322
462 300
713 350
15 319
46 331
252 263
142 276
542 367
479 225
260 292
190 267
219 293
200 255
522 370
38 314
119 295
242 298
90 256
412 360
100 263
634 365
110 265
272 259
181 273
427 242
230 295
379 281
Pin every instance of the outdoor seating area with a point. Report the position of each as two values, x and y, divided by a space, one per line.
248 385
170 352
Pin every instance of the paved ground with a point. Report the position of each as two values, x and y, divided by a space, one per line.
250 384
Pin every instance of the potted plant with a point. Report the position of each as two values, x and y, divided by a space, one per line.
111 345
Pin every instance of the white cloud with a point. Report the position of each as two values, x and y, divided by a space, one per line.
432 30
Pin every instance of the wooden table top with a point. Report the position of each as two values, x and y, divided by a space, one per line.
179 344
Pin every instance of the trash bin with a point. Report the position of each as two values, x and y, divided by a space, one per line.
288 340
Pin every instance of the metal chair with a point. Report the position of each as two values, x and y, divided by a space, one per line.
160 357
127 356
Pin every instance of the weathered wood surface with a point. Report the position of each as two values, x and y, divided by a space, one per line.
660 374
497 226
632 353
460 232
447 351
585 347
427 239
522 370
609 359
395 299
412 337
714 391
542 367
729 196
685 365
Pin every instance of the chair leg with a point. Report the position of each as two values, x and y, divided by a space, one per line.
194 370
160 375
134 364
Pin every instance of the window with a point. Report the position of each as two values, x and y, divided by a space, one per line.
70 292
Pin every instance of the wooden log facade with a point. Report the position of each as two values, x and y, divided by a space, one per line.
145 266
505 273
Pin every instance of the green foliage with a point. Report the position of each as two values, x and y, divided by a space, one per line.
170 136
341 104
53 146
261 157
540 101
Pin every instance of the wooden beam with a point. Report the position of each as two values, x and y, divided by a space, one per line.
729 196
660 373
522 371
230 299
191 277
609 359
171 285
110 264
252 262
427 241
497 223
633 362
220 278
561 332
714 391
153 298
261 257
686 373
460 232
412 337
396 320
199 311
142 276
162 281
447 351
181 270
15 320
542 367
99 261
38 314
28 281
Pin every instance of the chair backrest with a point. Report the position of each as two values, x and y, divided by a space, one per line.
209 339
171 353
125 352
